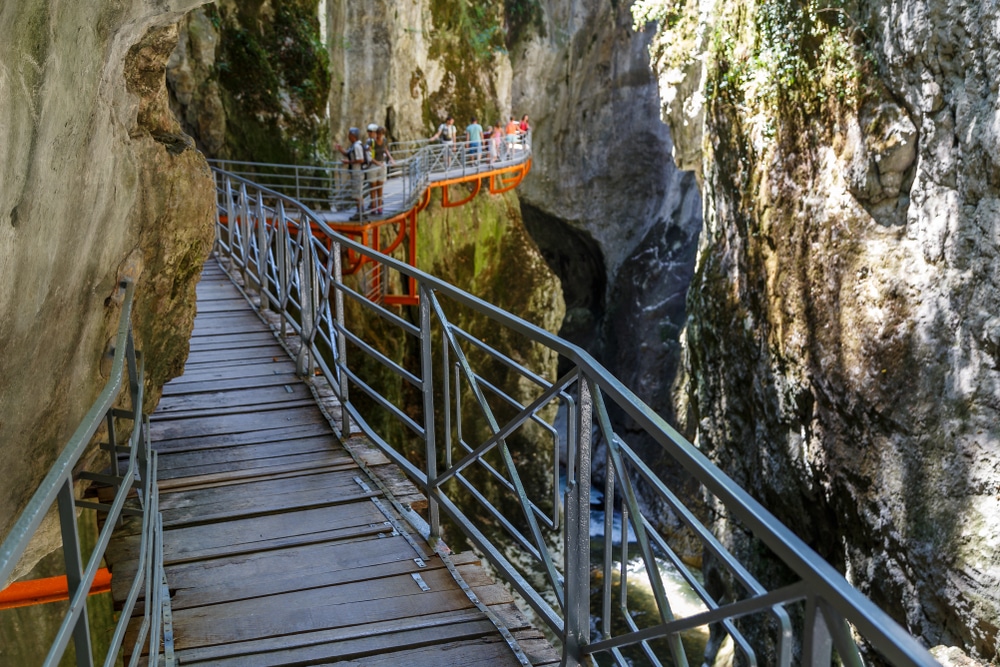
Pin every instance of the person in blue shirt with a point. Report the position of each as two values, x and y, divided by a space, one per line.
474 133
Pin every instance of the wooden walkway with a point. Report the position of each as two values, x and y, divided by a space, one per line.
279 550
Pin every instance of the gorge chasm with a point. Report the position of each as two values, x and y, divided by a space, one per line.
776 222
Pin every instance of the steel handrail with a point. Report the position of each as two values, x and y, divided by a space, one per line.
58 488
330 186
318 288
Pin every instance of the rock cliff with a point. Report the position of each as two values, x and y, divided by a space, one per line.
97 185
842 333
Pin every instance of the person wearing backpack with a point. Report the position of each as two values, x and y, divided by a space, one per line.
378 172
357 159
447 134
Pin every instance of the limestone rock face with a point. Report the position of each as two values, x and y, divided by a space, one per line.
96 185
249 81
605 185
408 66
842 333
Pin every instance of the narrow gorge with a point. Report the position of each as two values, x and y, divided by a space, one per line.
776 222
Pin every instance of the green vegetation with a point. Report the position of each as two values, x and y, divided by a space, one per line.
274 72
466 39
794 59
522 15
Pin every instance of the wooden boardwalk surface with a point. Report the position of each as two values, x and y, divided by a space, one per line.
279 550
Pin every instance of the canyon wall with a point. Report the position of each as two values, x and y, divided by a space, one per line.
97 185
842 333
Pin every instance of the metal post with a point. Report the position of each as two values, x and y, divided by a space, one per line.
262 250
427 377
817 644
74 571
577 536
281 239
304 362
341 343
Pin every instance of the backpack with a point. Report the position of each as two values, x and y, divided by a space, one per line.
366 155
447 132
369 153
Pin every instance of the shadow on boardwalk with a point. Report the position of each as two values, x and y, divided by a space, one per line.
279 548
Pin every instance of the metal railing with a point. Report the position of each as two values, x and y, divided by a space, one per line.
469 423
140 475
335 188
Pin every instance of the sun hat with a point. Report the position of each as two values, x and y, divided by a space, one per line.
372 127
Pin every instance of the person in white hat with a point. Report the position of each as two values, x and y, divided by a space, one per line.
355 160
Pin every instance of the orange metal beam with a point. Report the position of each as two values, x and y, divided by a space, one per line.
50 589
446 201
368 233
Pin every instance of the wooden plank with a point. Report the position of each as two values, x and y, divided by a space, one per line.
361 648
193 442
490 651
201 373
185 543
264 420
257 490
242 476
271 351
200 461
225 304
352 604
212 402
216 504
192 467
289 570
255 652
242 341
292 403
204 386
237 324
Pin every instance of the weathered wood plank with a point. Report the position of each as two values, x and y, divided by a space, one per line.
323 448
224 384
289 570
291 403
242 506
230 372
249 341
271 351
362 649
260 652
235 477
252 466
195 442
264 420
255 490
350 604
489 651
211 402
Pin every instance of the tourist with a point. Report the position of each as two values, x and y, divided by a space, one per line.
379 171
446 134
496 142
524 127
474 134
356 159
511 136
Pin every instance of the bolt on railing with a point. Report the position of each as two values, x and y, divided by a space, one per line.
140 475
482 420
